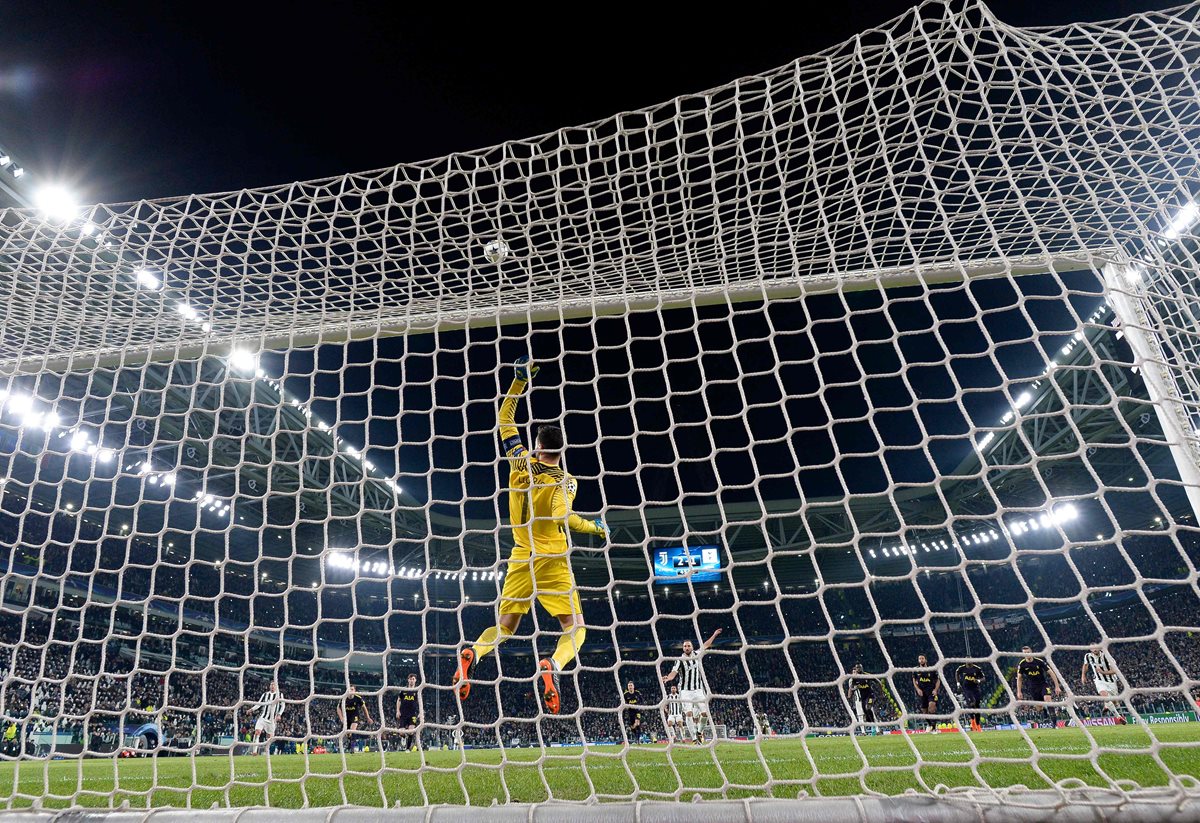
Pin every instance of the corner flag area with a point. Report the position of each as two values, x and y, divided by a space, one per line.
884 764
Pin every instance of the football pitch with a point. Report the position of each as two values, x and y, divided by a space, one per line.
774 768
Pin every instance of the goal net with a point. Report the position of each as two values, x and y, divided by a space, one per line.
880 371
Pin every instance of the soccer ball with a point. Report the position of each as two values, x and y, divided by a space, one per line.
496 251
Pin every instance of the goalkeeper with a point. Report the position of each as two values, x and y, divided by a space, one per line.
539 504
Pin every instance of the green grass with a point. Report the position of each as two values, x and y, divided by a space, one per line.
776 768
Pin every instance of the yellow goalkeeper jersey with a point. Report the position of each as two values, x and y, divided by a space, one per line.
540 495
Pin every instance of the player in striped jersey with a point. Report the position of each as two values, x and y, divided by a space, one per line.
674 715
693 689
271 707
1104 674
539 506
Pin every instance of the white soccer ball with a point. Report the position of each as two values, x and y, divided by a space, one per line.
496 251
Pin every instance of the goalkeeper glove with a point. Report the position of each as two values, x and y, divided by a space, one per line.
603 527
525 369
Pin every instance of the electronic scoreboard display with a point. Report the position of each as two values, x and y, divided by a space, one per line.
678 564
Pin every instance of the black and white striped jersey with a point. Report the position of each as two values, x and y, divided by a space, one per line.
691 673
674 705
1097 663
271 706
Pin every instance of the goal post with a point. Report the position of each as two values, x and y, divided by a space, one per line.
493 312
1124 283
878 380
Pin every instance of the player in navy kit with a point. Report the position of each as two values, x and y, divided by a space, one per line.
926 685
632 699
408 713
969 679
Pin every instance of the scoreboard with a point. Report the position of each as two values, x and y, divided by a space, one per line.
676 564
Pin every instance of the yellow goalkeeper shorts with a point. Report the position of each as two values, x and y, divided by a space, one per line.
550 580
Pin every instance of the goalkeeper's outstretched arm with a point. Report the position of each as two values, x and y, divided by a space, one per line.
510 437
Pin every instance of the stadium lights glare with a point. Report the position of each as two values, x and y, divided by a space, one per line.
148 280
34 420
106 455
79 440
55 202
243 361
1183 220
1024 398
1065 513
5 160
16 171
88 228
20 404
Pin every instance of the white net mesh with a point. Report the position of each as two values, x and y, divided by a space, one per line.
892 350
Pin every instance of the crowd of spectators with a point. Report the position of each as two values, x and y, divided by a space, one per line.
86 668
91 691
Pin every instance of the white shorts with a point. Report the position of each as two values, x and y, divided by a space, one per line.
1104 687
674 718
695 701
267 726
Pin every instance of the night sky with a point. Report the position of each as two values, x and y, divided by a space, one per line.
130 100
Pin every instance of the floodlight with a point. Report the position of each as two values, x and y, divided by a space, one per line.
243 361
148 280
54 202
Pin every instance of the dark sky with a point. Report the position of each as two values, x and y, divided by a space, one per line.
129 100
